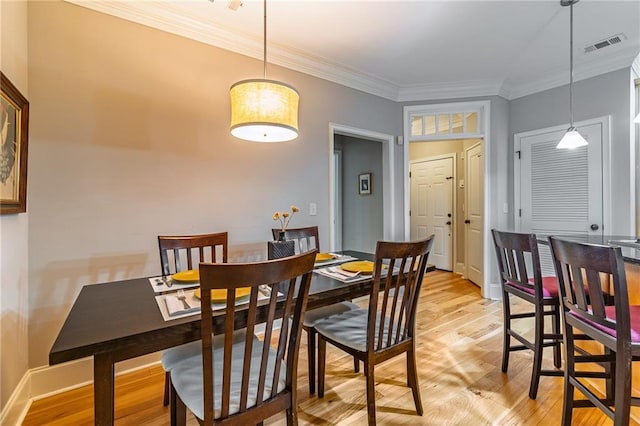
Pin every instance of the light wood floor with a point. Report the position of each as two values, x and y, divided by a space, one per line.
459 354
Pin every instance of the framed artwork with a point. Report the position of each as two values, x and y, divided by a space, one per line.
364 184
14 129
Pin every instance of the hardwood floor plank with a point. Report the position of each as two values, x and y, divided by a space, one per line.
459 352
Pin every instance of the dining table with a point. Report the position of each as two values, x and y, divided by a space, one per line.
120 320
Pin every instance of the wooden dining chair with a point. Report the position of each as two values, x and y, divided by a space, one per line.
307 239
521 276
387 327
585 273
185 252
240 378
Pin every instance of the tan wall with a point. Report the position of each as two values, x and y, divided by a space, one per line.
130 139
422 150
14 227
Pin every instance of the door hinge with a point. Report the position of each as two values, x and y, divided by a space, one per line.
409 175
518 152
519 212
409 212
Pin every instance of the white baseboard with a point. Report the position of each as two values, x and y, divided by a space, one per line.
50 380
18 404
494 293
42 382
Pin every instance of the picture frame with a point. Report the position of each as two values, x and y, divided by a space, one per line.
14 138
364 184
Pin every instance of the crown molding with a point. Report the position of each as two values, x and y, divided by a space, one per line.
623 59
162 16
168 18
449 90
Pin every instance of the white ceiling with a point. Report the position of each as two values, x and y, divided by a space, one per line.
409 50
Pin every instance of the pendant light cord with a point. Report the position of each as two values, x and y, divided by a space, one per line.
570 64
265 39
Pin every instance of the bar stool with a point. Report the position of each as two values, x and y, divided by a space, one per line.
584 272
521 276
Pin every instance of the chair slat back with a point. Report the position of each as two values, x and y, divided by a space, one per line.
584 273
306 238
393 298
518 259
184 252
285 311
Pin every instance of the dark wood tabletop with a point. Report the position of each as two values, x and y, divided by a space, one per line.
121 320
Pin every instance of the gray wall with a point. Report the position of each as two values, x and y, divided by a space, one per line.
362 215
130 139
595 97
14 260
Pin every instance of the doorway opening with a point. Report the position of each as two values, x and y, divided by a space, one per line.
457 194
445 192
346 202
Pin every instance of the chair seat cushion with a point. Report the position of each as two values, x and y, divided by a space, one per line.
549 287
610 312
313 316
350 329
172 356
187 376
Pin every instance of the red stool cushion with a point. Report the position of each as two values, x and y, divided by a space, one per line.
549 287
610 312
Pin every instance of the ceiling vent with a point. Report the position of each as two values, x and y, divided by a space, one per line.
609 41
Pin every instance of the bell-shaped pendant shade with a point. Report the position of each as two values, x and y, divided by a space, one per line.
264 111
571 140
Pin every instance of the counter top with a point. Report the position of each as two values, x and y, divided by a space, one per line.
630 245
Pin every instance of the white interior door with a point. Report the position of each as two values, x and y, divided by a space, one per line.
473 208
431 186
560 191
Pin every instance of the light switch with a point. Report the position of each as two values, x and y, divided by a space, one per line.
313 209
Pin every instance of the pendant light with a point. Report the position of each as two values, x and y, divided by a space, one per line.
264 110
572 139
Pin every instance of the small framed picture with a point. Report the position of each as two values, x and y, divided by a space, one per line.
364 183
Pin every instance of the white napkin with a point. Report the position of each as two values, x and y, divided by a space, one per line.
339 258
340 271
342 275
176 307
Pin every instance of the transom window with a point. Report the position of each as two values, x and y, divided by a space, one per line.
445 124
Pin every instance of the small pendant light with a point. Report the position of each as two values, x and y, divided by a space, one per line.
572 139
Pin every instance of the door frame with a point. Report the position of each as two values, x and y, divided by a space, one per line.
337 198
605 122
492 188
388 172
454 200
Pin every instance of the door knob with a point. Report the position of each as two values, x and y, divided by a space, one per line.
467 221
594 227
